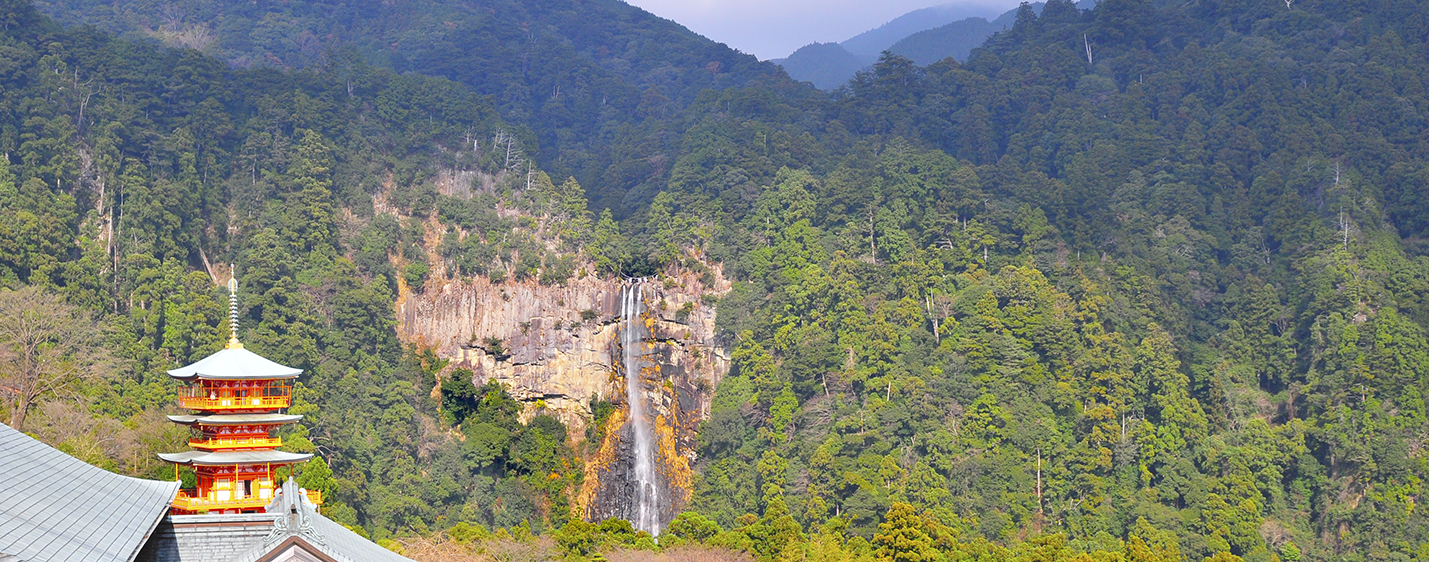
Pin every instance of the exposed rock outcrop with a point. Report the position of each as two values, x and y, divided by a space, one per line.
558 347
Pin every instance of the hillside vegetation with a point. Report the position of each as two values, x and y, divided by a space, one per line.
597 82
136 174
1144 282
1173 289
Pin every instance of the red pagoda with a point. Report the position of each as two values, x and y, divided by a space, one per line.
238 398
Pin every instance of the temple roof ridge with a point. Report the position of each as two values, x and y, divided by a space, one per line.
299 525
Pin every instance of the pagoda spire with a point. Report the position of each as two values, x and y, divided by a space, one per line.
233 342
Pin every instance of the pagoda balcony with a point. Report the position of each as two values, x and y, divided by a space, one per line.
216 398
225 443
186 500
208 404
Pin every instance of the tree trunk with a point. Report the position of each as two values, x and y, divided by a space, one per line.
17 415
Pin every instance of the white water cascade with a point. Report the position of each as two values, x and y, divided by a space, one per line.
647 492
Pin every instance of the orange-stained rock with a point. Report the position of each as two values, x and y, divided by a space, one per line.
549 352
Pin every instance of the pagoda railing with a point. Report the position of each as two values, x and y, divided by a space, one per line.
236 442
187 501
209 397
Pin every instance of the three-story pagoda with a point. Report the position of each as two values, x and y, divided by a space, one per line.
238 398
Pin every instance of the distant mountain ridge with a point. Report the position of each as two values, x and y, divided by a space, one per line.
830 65
826 65
926 36
869 44
956 39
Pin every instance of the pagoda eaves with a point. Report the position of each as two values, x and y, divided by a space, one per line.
227 458
234 419
235 363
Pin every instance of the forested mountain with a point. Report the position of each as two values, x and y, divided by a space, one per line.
1167 283
825 65
1143 282
869 44
956 39
596 80
926 36
134 174
829 66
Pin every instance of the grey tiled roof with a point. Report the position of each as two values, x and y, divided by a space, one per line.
58 508
235 364
205 458
290 521
234 419
300 521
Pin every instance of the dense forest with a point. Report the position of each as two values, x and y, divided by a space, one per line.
600 83
1142 282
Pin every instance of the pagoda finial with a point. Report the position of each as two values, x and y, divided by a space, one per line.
233 342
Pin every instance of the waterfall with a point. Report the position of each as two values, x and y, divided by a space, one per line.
646 516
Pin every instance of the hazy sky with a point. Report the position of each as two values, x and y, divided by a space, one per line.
774 28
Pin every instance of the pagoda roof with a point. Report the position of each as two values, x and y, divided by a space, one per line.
59 508
235 363
234 419
226 458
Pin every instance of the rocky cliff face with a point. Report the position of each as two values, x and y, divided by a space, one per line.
558 347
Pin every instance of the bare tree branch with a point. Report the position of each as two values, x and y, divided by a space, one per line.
47 347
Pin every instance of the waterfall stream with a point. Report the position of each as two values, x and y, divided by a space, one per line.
646 516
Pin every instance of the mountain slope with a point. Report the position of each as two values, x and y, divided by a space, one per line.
925 42
954 40
869 44
594 80
1144 282
1169 295
826 65
501 40
958 39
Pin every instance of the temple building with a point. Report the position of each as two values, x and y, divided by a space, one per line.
58 508
237 397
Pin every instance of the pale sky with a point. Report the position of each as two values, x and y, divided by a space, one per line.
774 28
